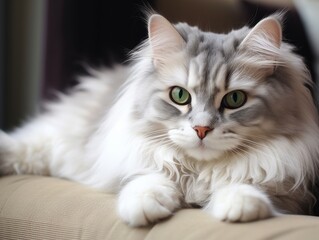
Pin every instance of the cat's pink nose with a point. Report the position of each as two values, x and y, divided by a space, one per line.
202 131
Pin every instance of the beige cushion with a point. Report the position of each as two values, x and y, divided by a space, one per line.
33 207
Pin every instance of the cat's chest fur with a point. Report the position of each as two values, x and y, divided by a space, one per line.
195 182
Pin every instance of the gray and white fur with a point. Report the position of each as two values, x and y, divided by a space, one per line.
123 131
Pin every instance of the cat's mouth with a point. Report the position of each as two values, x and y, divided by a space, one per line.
208 150
201 151
201 145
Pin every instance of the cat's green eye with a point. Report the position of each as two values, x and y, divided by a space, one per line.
180 95
234 99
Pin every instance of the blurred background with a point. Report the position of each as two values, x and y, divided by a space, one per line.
45 44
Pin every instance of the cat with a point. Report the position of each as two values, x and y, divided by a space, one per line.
219 121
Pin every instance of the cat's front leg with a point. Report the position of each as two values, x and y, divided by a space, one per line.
240 203
147 199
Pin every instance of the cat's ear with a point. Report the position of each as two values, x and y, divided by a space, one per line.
163 38
264 41
268 30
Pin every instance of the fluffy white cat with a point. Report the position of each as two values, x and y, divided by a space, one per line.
220 121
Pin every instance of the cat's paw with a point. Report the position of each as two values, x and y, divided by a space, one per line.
148 199
241 203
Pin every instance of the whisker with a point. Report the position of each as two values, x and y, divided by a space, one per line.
161 139
254 146
248 145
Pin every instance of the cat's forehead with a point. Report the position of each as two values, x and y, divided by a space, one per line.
206 71
210 55
198 41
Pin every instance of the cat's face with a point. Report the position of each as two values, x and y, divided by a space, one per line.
208 118
210 95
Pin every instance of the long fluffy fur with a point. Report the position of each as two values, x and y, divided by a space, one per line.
106 136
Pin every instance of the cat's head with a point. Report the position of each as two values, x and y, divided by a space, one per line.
210 94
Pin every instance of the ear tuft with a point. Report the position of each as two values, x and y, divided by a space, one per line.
164 38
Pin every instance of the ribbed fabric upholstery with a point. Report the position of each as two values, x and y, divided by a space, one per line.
40 208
